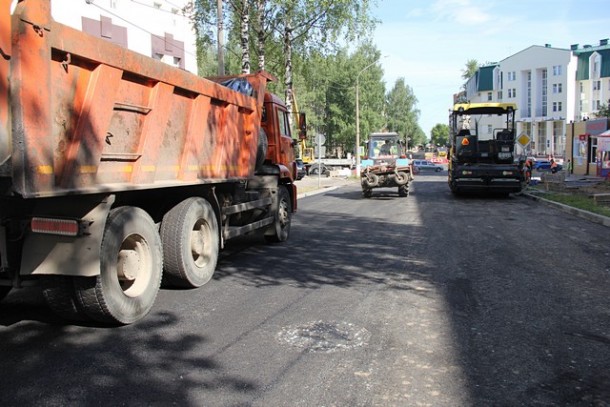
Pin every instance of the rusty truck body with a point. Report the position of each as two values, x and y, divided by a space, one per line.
118 172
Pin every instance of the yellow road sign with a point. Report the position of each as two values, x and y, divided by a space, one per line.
524 139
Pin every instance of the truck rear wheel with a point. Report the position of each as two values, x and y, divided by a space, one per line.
189 233
60 295
280 229
131 264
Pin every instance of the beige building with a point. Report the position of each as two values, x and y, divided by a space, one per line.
155 28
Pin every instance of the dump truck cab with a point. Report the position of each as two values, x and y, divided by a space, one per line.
481 157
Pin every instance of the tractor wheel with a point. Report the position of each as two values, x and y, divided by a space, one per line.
403 190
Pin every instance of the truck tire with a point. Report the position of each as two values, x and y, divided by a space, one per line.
131 264
60 295
189 233
280 229
367 193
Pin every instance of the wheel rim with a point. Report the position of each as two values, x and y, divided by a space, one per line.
282 213
134 262
200 247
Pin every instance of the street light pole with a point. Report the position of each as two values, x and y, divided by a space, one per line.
358 115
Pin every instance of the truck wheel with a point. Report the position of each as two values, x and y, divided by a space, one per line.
131 264
280 229
403 190
189 233
60 295
367 193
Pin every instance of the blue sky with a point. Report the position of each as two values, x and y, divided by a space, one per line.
429 42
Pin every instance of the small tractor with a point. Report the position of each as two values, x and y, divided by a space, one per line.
386 165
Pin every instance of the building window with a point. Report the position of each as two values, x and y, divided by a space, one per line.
499 95
112 3
557 106
168 50
511 75
528 109
556 70
544 92
596 85
512 93
489 97
557 88
581 87
596 104
489 129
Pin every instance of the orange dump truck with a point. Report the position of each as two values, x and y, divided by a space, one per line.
118 172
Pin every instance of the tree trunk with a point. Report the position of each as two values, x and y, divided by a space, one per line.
221 34
288 65
244 37
260 33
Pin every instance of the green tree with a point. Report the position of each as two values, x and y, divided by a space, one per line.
402 116
604 110
418 138
439 135
317 24
470 69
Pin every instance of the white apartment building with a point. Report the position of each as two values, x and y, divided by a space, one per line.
155 28
539 79
592 79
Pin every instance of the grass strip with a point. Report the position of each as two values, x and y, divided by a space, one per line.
576 201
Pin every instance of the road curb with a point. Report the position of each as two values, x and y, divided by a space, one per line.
592 217
318 191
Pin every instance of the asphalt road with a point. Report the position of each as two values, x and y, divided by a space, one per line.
388 301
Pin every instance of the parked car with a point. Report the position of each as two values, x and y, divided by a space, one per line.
425 165
301 171
542 165
322 169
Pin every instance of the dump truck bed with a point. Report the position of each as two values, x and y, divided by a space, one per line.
88 116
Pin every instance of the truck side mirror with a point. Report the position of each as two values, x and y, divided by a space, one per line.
302 126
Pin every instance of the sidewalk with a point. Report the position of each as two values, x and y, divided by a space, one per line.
312 185
568 185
